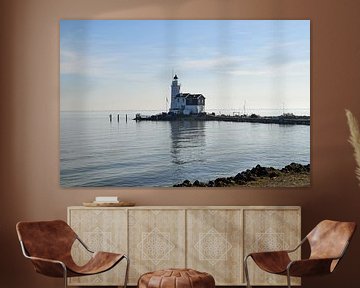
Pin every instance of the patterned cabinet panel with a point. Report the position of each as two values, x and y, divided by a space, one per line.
269 230
101 230
156 240
209 239
214 244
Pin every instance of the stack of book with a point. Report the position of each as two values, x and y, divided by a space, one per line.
106 199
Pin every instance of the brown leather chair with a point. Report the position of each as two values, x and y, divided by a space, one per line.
328 242
48 245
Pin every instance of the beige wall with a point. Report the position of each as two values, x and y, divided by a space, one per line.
29 119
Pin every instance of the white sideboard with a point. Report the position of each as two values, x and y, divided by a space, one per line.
211 239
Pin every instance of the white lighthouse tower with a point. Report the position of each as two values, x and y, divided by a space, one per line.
175 90
185 103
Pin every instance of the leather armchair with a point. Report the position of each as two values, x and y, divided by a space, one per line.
328 242
48 245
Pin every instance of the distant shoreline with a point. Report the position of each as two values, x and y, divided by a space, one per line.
292 175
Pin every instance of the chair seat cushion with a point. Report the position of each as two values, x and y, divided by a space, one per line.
176 278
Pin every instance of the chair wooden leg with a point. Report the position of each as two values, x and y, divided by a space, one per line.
246 270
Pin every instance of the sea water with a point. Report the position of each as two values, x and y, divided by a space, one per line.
95 152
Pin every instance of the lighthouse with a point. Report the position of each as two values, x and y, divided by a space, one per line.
175 90
185 103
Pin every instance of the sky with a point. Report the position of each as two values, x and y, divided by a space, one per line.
108 65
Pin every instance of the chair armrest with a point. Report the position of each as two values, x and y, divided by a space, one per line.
309 267
84 245
271 261
45 260
280 251
268 254
298 246
48 267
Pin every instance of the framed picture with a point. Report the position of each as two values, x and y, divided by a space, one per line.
184 103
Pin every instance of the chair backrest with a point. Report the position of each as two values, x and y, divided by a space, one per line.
329 239
46 239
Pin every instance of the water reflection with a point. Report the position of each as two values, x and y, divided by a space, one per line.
188 144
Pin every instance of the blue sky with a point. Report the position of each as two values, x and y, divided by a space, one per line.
128 64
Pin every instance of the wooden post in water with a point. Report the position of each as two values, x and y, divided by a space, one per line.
118 117
110 117
126 117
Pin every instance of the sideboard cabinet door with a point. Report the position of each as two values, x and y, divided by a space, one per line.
214 243
156 240
270 230
101 230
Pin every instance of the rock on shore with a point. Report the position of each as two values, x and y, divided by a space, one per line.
292 175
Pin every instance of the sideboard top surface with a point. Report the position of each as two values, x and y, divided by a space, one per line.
193 207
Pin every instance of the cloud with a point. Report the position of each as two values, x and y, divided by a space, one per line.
73 63
272 66
294 68
275 44
213 63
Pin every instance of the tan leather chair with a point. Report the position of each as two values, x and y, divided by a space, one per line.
328 242
48 245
